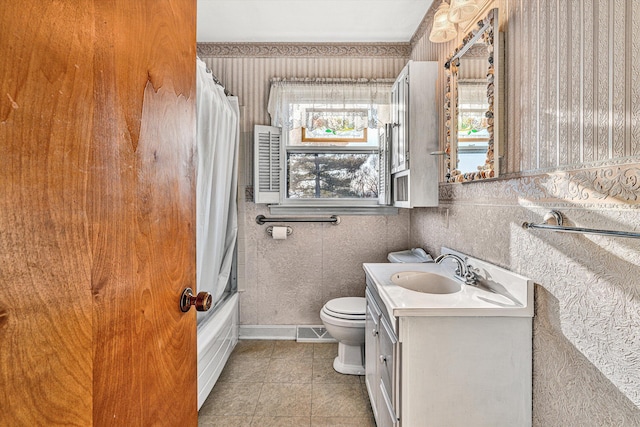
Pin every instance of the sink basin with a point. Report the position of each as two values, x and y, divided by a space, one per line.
425 282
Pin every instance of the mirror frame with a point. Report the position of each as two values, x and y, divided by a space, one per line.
486 30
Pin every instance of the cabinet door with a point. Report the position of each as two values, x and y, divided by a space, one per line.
372 328
403 122
386 347
400 115
387 343
387 417
394 127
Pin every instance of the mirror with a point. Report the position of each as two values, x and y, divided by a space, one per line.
472 107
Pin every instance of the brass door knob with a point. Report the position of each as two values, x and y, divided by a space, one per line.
202 301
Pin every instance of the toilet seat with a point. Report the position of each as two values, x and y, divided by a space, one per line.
348 308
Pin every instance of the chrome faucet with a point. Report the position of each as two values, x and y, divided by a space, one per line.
464 271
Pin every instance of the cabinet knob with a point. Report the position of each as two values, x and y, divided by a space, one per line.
383 359
374 332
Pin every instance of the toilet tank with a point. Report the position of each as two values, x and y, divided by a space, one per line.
410 255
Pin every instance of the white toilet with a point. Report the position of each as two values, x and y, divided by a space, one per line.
344 320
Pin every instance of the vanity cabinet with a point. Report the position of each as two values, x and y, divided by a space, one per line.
380 357
426 370
414 135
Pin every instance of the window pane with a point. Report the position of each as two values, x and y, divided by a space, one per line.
332 176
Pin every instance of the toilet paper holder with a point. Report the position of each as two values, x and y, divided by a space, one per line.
270 230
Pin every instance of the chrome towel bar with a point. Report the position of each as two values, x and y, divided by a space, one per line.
334 219
556 216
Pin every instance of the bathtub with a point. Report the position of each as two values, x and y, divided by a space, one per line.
217 336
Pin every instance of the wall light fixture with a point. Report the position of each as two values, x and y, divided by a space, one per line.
447 15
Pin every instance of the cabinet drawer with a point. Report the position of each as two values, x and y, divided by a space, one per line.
375 298
372 305
386 358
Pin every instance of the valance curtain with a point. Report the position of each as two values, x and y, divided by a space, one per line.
216 184
473 94
325 93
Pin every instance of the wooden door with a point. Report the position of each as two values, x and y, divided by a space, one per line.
97 212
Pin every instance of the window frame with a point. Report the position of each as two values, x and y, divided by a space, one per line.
286 98
323 149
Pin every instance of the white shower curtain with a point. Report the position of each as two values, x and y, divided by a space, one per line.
216 187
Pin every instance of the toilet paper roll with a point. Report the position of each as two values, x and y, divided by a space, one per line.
279 233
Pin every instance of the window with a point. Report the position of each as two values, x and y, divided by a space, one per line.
325 146
332 175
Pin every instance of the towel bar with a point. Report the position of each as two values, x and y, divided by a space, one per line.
334 219
557 217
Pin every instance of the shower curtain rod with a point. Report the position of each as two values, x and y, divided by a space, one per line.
216 80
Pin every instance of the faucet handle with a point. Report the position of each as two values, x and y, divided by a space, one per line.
470 278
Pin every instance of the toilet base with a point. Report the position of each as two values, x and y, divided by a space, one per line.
349 360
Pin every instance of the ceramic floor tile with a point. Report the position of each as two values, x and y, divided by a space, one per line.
289 371
280 421
253 348
282 400
338 400
365 393
218 421
232 399
323 372
292 350
325 350
245 370
367 421
281 383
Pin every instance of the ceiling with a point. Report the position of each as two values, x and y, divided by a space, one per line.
314 21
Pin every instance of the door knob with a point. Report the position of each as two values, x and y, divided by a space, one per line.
202 301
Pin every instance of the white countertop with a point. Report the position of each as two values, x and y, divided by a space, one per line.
512 294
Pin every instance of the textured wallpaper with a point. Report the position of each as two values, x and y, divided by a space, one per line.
573 102
587 322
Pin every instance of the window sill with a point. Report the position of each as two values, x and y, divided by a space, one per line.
332 210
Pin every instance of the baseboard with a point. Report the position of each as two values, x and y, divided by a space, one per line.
268 332
300 333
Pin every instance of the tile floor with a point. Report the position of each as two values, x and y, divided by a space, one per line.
286 384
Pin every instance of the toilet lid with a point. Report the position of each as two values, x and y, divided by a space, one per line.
351 306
